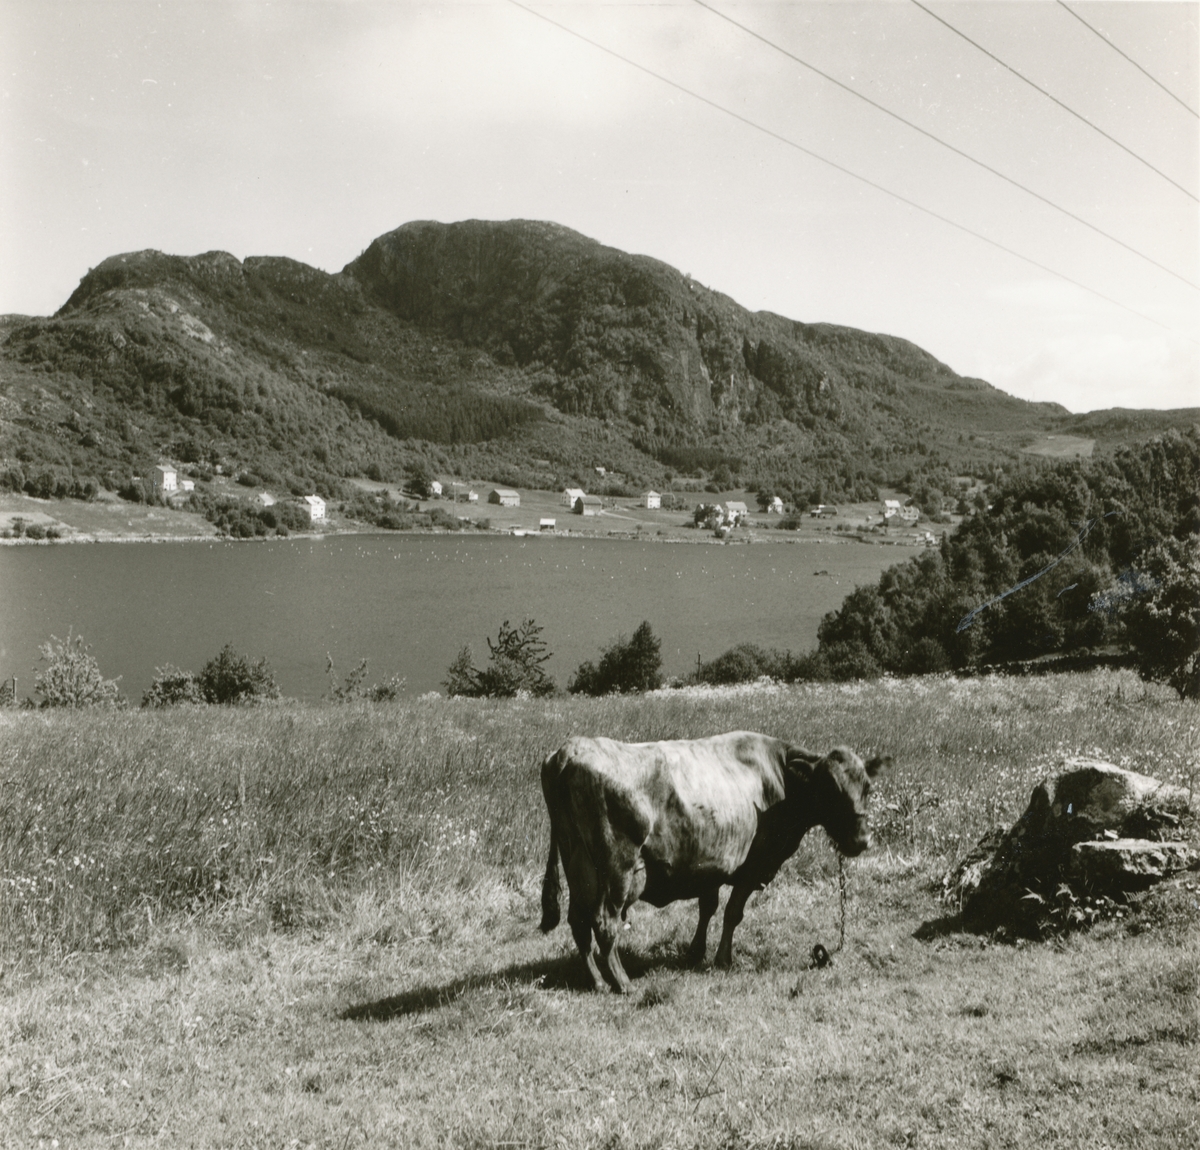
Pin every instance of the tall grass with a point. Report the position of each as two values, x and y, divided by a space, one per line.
111 821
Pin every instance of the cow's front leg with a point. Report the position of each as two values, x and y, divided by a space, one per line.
708 907
734 909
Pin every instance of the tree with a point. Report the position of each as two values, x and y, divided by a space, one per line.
625 666
172 686
514 667
72 676
419 479
232 678
1162 615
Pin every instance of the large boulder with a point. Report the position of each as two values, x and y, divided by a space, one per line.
1102 828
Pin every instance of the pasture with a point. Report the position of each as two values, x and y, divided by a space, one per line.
317 926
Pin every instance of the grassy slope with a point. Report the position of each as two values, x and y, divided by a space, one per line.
371 969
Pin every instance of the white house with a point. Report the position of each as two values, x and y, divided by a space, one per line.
316 507
163 479
775 507
435 489
651 499
735 511
505 496
895 513
568 497
266 499
187 485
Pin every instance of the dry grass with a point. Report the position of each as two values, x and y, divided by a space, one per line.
370 972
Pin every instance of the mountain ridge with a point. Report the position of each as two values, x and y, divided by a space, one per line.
520 352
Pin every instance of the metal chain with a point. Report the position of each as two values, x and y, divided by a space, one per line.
820 956
842 902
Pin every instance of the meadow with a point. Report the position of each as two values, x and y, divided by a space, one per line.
316 925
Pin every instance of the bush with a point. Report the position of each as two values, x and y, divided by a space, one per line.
1162 620
72 676
515 666
172 686
232 678
353 688
626 666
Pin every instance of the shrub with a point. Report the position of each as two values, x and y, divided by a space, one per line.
1163 620
353 688
625 666
172 686
233 678
72 676
515 666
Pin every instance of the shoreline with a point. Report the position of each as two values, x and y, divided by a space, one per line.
110 521
704 539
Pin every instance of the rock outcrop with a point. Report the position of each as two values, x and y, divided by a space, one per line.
1097 827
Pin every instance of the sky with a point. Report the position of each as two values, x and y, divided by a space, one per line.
306 128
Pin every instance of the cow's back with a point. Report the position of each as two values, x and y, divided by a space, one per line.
692 806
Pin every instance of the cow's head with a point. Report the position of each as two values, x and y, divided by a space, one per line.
841 783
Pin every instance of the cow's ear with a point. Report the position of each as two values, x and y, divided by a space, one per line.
800 762
877 764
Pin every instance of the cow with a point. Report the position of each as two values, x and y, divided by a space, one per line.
678 820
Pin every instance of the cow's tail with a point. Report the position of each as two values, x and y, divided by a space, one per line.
551 885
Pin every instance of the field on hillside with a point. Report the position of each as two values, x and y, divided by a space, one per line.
317 926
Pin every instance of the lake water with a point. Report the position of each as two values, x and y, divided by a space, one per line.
409 602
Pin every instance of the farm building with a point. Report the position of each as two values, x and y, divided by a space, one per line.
545 524
736 511
775 506
823 511
316 507
187 485
265 499
505 496
895 513
588 505
569 495
651 499
163 479
435 489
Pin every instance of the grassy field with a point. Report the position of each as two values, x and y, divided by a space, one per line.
316 926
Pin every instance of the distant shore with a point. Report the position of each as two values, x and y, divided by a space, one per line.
110 520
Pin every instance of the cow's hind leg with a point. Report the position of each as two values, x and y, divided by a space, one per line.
581 880
734 909
708 907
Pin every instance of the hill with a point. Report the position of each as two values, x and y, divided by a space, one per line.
518 352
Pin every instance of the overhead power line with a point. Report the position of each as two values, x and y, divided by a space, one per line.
1054 99
840 168
1182 103
945 144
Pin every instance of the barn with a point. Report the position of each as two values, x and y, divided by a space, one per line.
588 505
505 496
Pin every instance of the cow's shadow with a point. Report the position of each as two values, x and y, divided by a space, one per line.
564 972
